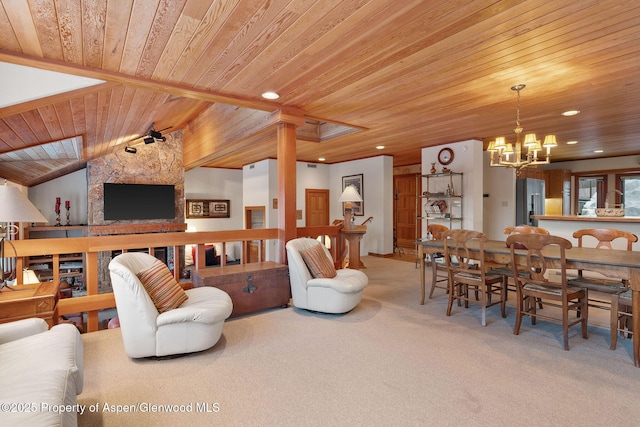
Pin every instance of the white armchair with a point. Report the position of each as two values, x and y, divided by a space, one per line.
339 294
194 326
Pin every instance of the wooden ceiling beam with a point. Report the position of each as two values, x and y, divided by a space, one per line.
134 81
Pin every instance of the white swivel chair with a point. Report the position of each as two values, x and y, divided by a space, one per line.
195 325
339 294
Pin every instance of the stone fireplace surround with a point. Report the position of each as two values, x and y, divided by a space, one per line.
158 163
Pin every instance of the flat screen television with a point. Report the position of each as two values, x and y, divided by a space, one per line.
138 201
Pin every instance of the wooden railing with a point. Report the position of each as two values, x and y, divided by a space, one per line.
92 246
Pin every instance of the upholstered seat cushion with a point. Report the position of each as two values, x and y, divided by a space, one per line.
551 290
206 305
605 286
346 281
478 277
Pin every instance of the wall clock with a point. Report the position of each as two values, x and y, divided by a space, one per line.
445 156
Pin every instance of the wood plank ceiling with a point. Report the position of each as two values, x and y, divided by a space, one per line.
407 74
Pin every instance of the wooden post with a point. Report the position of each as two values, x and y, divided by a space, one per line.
286 187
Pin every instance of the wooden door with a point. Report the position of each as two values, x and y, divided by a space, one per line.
316 207
404 212
254 217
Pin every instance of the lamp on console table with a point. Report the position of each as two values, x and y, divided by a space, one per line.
349 195
14 207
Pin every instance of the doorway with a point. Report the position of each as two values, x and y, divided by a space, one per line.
254 217
316 207
405 221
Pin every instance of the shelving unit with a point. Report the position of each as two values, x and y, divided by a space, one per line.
441 200
71 266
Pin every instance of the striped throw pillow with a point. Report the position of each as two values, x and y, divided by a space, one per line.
318 262
163 289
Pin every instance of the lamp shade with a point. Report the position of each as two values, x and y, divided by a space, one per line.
29 277
15 207
350 194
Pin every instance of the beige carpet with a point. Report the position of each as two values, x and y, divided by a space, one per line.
389 362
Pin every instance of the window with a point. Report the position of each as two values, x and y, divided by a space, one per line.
591 192
629 185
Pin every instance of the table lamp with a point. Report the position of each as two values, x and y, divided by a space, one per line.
349 195
14 207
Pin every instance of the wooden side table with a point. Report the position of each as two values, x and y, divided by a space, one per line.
24 301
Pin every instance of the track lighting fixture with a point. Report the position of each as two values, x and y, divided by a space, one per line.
149 137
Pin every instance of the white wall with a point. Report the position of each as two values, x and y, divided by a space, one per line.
71 187
500 204
212 183
377 195
467 159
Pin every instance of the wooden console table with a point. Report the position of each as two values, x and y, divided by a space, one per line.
24 301
252 287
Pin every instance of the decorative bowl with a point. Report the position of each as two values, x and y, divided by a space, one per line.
609 212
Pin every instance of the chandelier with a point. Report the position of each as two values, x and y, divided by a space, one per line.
506 155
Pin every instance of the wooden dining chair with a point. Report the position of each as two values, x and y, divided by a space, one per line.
620 316
469 273
506 269
603 238
534 283
439 272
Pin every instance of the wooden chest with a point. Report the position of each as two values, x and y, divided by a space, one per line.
252 287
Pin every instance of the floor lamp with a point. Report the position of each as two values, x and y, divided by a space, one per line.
349 195
14 207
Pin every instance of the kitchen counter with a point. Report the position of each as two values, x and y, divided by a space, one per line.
635 219
565 225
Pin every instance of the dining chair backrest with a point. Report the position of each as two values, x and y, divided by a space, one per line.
525 229
467 246
605 236
536 265
437 231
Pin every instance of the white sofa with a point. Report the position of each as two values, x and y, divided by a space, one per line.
42 373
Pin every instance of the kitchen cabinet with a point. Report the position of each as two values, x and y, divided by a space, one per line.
558 186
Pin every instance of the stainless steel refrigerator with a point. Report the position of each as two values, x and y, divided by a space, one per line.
529 200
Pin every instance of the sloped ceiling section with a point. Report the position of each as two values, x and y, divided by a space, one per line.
42 160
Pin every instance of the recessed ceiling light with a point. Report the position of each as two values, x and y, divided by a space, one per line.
572 142
598 151
321 159
571 113
270 95
380 147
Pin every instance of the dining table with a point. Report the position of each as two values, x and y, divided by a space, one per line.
613 263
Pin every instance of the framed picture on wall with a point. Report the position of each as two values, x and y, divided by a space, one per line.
356 181
208 208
